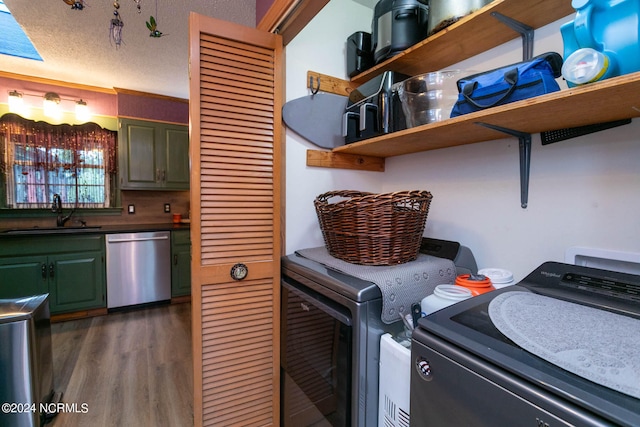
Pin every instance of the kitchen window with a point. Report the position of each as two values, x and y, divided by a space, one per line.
38 160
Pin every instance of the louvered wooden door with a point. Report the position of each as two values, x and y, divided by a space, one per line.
235 108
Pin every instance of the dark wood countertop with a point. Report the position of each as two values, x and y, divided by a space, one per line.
103 229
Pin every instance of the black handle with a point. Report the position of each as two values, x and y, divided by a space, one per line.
511 77
51 270
416 313
43 269
407 13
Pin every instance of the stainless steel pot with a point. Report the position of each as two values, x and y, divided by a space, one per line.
443 13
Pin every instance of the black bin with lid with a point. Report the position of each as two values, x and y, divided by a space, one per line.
397 25
359 53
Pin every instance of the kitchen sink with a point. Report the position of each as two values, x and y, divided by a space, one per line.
51 230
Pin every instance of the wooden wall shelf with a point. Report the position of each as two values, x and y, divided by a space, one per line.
592 104
601 102
470 36
613 99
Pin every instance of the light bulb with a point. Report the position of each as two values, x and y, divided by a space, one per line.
16 103
82 111
51 106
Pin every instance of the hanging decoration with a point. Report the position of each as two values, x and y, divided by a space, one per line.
152 25
116 23
115 29
75 4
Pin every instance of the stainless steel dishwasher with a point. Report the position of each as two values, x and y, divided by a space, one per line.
138 268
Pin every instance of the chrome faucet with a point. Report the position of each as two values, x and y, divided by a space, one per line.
57 208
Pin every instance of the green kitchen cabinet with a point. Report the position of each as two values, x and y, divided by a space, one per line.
70 268
153 155
77 281
22 276
180 263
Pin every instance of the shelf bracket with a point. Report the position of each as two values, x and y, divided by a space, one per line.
526 32
525 158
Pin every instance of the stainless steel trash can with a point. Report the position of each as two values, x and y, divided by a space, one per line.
26 360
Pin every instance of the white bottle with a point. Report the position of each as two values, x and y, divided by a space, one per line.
499 277
443 296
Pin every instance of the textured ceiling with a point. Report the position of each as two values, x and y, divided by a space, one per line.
76 47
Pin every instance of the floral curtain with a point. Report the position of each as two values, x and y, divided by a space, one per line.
39 160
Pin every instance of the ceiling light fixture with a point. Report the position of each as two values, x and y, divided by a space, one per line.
51 105
15 101
82 111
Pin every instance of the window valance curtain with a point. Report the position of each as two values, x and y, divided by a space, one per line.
39 141
39 159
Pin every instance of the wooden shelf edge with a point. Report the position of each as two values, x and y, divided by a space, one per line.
330 159
600 102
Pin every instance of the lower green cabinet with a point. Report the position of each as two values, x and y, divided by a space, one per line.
77 282
70 268
22 276
180 263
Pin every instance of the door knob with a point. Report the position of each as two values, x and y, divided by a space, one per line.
239 271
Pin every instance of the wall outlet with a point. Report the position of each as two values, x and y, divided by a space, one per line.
132 209
167 208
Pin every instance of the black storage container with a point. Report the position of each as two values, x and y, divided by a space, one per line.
397 25
359 53
374 108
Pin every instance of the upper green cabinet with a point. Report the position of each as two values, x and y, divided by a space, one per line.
153 155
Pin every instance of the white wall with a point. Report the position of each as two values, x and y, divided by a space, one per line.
320 47
583 191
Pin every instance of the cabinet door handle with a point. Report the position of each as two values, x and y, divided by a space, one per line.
43 269
51 270
164 175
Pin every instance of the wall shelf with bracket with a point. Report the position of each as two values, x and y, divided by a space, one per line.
610 101
600 102
472 35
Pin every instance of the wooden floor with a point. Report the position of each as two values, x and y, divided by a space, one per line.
130 368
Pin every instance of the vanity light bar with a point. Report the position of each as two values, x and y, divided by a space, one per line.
50 104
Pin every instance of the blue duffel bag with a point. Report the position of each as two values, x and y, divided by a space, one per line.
508 84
